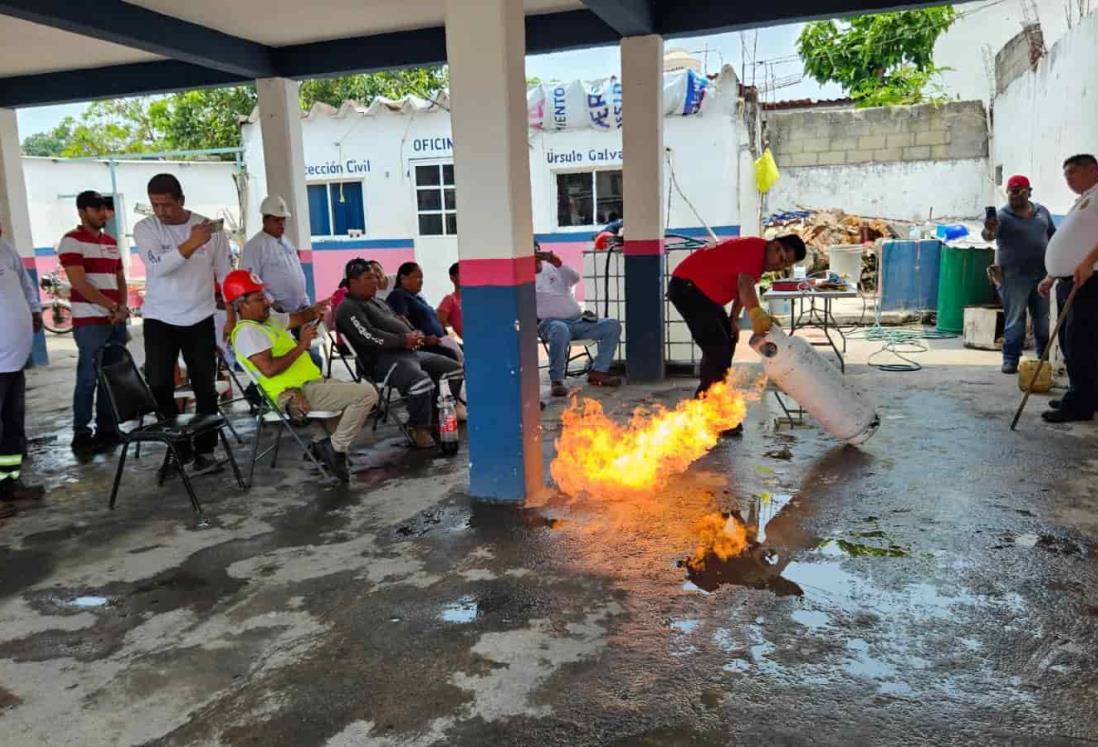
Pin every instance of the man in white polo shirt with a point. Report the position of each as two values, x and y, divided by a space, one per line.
94 267
184 255
1070 261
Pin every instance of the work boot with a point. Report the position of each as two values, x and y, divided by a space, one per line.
601 378
335 461
13 489
1010 367
1065 416
558 389
107 441
83 443
422 437
205 464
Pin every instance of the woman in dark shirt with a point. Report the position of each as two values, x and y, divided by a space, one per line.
406 301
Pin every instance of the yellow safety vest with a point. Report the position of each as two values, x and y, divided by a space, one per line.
300 371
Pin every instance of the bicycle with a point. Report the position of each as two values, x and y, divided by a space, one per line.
56 311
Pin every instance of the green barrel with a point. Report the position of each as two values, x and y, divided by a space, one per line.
962 281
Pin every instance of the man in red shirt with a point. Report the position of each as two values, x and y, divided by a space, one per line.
709 279
94 267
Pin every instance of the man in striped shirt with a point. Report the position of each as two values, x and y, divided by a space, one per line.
94 267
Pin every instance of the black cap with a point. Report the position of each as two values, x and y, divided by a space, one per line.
89 198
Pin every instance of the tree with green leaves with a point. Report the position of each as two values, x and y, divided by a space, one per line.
882 59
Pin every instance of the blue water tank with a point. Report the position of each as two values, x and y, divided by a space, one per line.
909 275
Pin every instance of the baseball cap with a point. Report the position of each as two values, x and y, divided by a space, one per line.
275 206
89 198
1017 182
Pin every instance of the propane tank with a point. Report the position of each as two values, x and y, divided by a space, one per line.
817 386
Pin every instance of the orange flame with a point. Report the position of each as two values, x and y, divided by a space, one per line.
597 456
720 535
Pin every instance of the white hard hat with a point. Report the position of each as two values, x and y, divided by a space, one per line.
275 206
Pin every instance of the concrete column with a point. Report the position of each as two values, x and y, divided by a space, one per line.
642 167
14 212
485 48
284 159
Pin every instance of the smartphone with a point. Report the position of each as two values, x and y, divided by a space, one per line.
990 213
314 323
217 225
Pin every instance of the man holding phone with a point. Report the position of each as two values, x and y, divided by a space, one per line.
184 255
1021 230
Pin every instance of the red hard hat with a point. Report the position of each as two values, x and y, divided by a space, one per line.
602 240
240 283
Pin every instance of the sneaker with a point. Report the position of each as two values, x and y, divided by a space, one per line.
601 378
1065 416
422 437
559 389
84 442
205 464
1010 367
14 489
335 461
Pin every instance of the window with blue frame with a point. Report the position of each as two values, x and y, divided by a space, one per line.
336 209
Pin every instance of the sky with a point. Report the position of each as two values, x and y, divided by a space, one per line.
772 49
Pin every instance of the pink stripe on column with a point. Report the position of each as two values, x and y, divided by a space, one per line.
305 255
637 247
30 263
497 272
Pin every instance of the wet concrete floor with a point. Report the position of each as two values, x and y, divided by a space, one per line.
937 586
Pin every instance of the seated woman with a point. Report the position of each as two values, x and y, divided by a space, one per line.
405 300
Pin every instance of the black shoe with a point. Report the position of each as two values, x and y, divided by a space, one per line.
1055 404
736 432
558 389
13 489
1065 416
84 443
107 441
1010 367
205 464
335 461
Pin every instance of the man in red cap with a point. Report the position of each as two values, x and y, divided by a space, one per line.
1021 230
282 366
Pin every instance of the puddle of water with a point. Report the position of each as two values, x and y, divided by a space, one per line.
460 612
834 547
685 626
737 666
90 602
764 507
754 569
1029 539
864 665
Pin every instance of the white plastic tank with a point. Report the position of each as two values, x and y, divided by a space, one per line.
845 260
817 386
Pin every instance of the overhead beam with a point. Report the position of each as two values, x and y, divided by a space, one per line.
626 17
139 28
697 17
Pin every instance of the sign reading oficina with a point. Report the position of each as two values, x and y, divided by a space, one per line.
591 155
337 168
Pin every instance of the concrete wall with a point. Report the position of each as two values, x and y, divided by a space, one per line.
969 47
829 137
53 183
1049 114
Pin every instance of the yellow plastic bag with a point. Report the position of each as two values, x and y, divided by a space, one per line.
766 171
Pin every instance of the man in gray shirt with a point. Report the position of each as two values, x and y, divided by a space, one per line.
386 345
1021 230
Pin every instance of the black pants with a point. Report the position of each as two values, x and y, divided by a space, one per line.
709 326
1079 342
13 409
416 376
198 343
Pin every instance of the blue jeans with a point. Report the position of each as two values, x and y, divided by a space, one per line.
559 333
1019 294
89 339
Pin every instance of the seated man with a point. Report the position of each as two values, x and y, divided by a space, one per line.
560 320
383 341
287 374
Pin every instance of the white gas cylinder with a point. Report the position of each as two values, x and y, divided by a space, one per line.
817 386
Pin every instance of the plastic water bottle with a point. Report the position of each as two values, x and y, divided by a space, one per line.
447 421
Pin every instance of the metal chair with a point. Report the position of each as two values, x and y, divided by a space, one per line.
131 400
344 352
584 355
269 412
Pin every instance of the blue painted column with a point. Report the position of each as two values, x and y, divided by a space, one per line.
485 48
642 167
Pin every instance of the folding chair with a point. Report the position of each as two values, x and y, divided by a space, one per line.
269 412
131 400
344 352
584 355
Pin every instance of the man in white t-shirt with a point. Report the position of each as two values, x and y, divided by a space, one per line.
184 255
1070 262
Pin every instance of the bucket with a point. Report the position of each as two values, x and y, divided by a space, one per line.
962 281
1044 378
846 262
